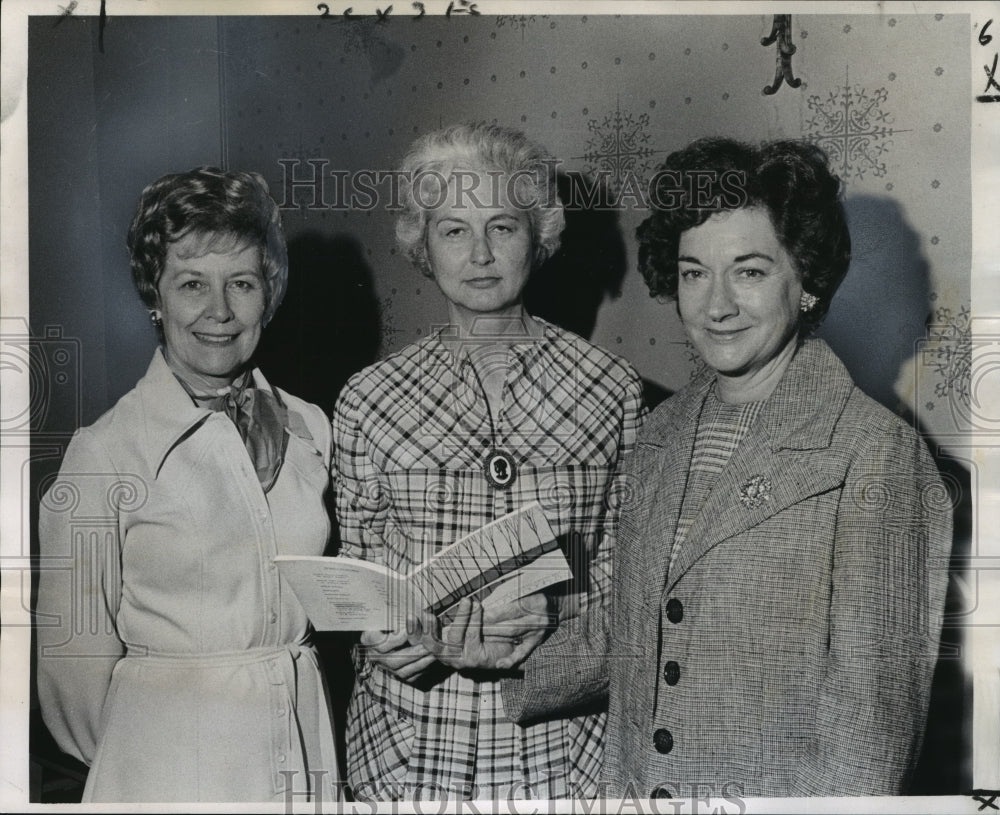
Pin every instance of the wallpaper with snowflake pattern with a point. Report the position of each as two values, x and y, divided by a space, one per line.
886 97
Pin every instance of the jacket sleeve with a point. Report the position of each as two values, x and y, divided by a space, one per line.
567 672
890 562
79 590
360 501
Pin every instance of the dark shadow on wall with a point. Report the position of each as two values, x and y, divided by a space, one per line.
945 764
328 326
880 312
876 320
590 265
326 329
653 394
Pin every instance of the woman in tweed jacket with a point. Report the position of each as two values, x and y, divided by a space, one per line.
784 571
779 574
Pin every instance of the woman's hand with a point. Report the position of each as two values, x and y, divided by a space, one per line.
498 638
394 652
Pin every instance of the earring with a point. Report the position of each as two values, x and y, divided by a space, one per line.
807 302
156 318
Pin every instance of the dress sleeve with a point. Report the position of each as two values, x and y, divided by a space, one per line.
568 672
79 590
889 575
361 503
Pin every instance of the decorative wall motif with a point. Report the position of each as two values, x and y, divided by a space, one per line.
950 355
781 33
611 95
695 363
360 35
387 325
619 146
365 35
518 22
853 128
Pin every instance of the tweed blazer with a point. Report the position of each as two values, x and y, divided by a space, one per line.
790 649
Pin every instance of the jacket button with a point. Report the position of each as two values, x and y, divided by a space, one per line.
663 741
671 673
675 610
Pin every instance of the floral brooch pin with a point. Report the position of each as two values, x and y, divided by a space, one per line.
755 492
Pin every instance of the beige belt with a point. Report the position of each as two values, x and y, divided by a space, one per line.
279 662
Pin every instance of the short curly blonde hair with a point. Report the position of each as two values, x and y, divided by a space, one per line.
234 206
491 148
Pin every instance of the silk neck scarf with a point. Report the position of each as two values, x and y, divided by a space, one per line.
260 417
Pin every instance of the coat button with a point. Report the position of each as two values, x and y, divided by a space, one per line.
663 740
671 673
675 610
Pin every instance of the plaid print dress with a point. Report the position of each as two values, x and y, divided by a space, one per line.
411 437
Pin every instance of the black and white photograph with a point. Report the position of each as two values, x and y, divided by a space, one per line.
467 406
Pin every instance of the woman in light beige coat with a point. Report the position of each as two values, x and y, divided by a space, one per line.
170 657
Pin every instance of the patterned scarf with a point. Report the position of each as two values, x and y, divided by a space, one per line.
261 419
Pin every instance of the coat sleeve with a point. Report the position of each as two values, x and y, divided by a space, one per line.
893 538
361 503
79 590
567 672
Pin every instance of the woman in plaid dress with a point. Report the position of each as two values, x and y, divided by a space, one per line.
484 416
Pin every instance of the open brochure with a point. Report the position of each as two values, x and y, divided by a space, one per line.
509 558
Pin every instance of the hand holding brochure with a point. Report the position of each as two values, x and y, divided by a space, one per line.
509 558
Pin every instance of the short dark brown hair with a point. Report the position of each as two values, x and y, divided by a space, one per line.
790 179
